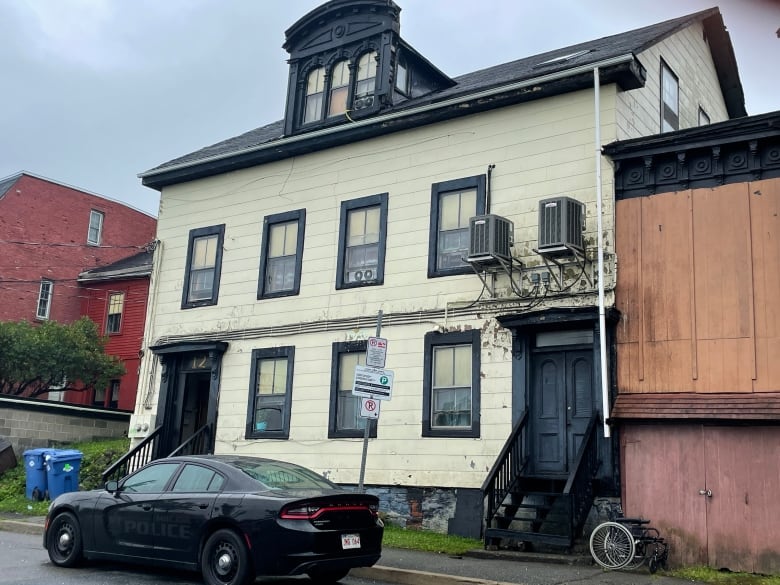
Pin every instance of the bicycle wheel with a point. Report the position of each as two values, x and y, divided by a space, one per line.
612 545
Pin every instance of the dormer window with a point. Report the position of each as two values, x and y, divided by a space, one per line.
336 82
339 89
402 78
348 62
366 81
315 87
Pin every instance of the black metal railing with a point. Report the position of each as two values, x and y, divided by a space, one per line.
579 485
137 457
507 469
198 444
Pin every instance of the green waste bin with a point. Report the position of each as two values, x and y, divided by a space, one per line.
35 473
62 471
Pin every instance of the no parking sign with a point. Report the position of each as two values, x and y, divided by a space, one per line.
369 408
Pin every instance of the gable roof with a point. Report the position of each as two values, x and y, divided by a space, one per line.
554 72
7 183
133 266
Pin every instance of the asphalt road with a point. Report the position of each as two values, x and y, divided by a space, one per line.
23 561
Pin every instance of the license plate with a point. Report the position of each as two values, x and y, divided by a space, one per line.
350 541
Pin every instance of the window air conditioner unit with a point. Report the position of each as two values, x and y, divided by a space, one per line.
361 102
490 238
561 221
367 274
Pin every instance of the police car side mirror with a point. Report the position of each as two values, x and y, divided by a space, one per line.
112 486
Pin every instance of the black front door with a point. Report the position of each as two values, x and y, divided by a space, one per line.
561 407
189 392
193 393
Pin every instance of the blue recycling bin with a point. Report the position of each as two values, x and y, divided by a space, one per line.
62 471
35 473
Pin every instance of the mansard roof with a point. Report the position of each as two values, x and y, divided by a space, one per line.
543 75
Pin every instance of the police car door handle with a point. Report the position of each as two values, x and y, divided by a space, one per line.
203 506
146 507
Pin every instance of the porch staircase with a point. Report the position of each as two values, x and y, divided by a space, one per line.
200 442
547 510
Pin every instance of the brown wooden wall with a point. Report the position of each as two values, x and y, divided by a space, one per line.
699 289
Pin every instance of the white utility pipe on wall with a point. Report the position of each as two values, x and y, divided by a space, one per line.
602 315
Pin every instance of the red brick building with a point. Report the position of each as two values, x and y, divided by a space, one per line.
51 232
114 297
65 253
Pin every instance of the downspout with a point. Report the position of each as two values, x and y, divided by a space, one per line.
149 371
600 240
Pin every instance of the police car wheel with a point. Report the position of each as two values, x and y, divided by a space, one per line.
225 559
64 540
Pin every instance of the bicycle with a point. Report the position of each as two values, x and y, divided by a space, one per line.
628 543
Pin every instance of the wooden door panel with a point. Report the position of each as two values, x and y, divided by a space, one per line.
579 398
548 414
663 471
742 516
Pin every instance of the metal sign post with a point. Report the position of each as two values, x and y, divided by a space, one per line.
367 430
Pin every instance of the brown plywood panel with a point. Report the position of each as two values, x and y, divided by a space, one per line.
768 364
663 469
725 365
722 262
666 266
627 376
628 250
667 366
765 219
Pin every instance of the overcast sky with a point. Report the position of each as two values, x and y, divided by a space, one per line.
93 92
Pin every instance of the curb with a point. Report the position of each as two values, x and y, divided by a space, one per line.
532 557
411 577
21 527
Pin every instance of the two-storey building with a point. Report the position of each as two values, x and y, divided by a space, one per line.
474 214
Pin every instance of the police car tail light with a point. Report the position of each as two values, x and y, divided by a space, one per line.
300 512
309 511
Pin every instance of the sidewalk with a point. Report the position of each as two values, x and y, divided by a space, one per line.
478 567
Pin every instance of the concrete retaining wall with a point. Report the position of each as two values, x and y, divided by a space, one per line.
29 423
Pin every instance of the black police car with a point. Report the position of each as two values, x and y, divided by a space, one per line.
231 517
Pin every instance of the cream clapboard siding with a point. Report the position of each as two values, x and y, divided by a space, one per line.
688 55
540 149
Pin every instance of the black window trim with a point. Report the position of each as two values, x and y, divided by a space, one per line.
437 189
352 56
351 205
219 231
433 339
667 67
298 215
287 351
339 348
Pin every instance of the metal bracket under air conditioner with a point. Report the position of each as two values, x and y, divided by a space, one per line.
579 258
481 269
